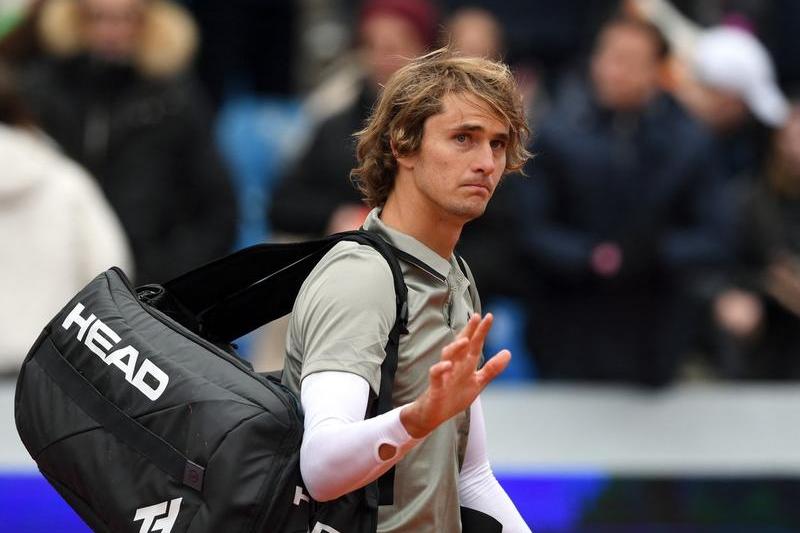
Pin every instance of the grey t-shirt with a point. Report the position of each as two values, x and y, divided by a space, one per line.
341 321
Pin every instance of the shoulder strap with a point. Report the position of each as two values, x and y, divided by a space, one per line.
236 294
408 258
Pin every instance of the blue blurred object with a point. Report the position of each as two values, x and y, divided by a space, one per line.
258 136
508 332
552 503
28 504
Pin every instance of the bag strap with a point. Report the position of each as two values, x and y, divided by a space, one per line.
225 299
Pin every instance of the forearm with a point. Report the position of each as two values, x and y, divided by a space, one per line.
342 452
482 492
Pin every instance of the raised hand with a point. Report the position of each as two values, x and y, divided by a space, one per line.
455 381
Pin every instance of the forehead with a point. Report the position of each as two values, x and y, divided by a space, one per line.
458 110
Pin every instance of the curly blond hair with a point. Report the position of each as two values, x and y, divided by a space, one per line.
413 94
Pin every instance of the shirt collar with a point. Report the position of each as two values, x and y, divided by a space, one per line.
407 244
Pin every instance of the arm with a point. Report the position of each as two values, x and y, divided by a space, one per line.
478 489
338 438
341 329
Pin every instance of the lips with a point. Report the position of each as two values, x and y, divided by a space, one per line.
478 186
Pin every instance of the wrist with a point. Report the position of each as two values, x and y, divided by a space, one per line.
413 421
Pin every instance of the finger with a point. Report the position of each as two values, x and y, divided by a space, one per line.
494 367
438 372
469 330
455 350
482 330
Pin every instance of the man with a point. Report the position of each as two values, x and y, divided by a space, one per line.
624 208
443 133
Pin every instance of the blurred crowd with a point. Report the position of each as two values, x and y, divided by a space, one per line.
654 237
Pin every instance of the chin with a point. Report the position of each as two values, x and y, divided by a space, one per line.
467 212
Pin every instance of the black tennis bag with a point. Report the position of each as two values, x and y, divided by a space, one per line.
137 410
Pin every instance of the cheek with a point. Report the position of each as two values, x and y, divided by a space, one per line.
438 158
502 161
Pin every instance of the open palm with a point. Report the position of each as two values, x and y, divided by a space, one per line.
455 381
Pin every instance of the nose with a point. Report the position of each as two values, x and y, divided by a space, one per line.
484 160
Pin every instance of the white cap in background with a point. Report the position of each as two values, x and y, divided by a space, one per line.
733 60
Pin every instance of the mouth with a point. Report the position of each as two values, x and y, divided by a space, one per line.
481 188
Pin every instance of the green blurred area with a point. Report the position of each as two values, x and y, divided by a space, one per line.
8 21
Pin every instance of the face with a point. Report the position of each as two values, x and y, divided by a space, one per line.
111 27
460 161
625 68
388 43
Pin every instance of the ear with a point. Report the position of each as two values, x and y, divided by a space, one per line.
407 162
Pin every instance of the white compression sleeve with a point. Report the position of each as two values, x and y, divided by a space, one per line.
478 489
339 453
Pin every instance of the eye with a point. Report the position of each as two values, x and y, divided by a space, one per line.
498 144
461 138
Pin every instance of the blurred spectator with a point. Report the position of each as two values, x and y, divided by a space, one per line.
317 197
114 93
726 78
622 209
56 230
554 35
759 314
732 89
473 31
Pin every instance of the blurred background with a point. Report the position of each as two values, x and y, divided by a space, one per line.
645 273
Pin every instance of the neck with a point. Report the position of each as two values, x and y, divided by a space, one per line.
424 222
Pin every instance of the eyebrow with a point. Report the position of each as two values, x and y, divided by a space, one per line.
477 127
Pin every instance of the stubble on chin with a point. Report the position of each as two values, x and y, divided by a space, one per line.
467 210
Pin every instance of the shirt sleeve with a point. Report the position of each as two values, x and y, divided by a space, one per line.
478 489
339 453
343 314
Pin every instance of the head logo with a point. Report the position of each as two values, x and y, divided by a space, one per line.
149 514
100 339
